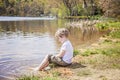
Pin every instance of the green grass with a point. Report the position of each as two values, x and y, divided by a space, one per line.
108 51
28 78
38 78
89 52
56 73
100 61
76 52
50 78
115 34
108 25
104 57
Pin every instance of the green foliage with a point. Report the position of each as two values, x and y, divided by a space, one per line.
62 11
116 65
108 25
79 7
76 52
115 34
76 17
102 26
113 26
96 17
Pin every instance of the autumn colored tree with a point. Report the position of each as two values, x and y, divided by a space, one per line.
110 8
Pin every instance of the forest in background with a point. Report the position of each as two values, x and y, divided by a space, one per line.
60 8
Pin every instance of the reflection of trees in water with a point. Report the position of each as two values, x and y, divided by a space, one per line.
83 34
78 34
86 28
7 26
88 32
29 27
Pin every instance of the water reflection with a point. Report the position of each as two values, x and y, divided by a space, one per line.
25 43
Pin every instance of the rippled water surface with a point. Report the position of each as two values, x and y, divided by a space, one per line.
24 44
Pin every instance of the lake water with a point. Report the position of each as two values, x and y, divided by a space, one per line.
24 44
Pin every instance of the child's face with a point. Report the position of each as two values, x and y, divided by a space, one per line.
61 39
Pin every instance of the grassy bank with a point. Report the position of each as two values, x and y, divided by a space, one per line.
100 61
83 17
112 25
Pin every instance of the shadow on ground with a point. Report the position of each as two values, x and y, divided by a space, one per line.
76 65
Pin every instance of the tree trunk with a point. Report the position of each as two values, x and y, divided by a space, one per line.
84 4
6 3
93 7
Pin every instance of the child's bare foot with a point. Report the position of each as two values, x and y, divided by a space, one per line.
34 69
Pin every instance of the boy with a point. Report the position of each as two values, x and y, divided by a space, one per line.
64 58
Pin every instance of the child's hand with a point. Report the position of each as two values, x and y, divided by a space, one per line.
56 55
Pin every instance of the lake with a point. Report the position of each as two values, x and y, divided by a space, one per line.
24 43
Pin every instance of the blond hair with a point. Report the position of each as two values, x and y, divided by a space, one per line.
62 32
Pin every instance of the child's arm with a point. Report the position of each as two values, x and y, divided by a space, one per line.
61 54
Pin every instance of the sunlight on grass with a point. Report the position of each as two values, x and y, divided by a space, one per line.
56 73
28 78
102 58
108 25
113 48
38 78
115 34
50 78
